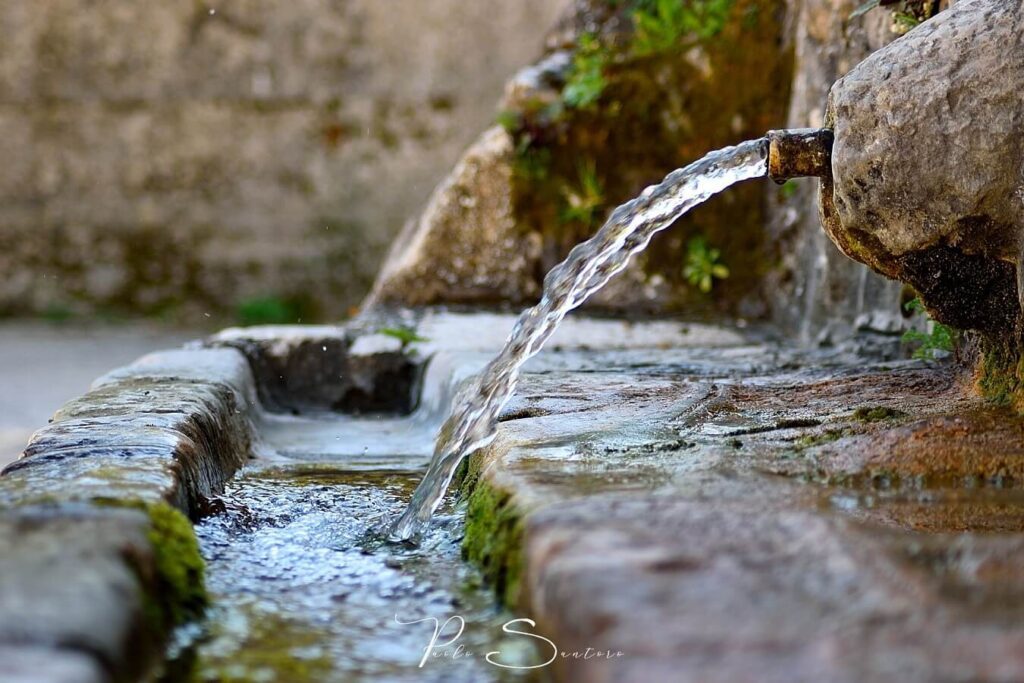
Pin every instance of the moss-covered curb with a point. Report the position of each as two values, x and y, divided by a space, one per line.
158 438
173 578
494 534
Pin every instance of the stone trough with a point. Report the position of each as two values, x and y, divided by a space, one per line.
710 503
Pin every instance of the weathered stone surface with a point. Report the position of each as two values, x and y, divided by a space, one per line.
463 247
630 512
80 571
155 430
511 210
319 368
928 181
21 664
160 157
68 584
818 293
981 446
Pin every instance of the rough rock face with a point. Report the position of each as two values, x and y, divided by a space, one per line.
608 110
185 157
464 246
927 163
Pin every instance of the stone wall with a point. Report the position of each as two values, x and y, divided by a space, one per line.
820 294
184 157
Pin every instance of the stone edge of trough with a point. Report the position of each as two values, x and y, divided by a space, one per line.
98 558
495 524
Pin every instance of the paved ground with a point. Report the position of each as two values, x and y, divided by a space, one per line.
42 365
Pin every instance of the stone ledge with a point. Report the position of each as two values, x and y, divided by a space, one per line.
157 437
694 529
72 583
19 664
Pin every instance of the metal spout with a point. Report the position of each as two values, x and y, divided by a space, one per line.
799 153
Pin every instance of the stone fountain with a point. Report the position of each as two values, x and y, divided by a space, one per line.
714 501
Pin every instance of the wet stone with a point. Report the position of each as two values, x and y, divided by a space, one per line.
21 664
68 584
655 521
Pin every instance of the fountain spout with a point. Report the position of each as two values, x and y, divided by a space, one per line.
799 153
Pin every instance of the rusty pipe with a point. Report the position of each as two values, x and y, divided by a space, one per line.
799 153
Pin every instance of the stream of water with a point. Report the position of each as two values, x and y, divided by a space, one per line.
301 596
472 423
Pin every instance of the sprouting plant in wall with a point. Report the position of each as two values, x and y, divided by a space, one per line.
586 80
939 338
531 163
789 189
584 200
511 121
906 14
703 265
404 334
663 25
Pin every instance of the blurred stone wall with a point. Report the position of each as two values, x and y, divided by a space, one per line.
820 295
182 158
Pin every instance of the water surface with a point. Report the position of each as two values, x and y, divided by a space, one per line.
300 592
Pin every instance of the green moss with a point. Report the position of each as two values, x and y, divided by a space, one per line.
821 438
663 25
876 414
494 539
655 112
1000 375
173 584
179 566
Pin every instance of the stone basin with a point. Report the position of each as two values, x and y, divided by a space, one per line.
706 501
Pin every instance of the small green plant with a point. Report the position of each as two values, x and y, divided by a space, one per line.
511 121
532 163
938 340
905 21
268 310
788 189
663 25
583 202
702 265
406 335
906 14
586 80
57 313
